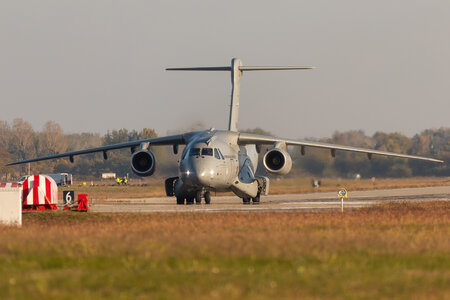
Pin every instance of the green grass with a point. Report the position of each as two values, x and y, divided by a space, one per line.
343 276
396 251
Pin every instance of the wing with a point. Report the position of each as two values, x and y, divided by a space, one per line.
178 139
247 138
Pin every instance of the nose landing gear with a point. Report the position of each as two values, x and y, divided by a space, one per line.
255 200
198 197
195 198
207 197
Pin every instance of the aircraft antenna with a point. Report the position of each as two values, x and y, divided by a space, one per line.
236 69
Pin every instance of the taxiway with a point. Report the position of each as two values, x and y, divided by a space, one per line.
284 202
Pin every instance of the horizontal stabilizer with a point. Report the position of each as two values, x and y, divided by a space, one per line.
241 68
200 69
245 68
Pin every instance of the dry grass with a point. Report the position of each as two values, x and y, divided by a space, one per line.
155 187
388 251
303 185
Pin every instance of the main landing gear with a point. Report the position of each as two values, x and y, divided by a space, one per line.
197 198
255 200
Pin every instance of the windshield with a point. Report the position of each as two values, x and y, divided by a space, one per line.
194 152
207 151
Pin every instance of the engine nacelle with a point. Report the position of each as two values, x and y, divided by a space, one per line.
277 161
143 163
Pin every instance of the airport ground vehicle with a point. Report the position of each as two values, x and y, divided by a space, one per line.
62 179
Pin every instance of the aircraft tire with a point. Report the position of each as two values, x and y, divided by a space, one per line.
207 197
180 200
189 201
198 197
256 199
246 200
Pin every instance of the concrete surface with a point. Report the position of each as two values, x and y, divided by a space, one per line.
285 202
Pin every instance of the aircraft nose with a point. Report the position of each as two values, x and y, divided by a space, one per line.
201 172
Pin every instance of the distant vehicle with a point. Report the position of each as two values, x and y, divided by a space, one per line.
221 160
22 179
61 178
108 175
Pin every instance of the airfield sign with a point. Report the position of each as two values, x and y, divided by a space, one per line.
342 194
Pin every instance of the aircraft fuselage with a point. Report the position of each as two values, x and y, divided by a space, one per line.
212 160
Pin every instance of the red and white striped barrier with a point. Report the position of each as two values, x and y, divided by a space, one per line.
39 193
9 185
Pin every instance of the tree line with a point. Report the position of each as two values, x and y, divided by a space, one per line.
19 141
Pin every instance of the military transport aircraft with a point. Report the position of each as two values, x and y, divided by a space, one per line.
220 160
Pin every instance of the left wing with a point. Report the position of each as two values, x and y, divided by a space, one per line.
178 139
247 138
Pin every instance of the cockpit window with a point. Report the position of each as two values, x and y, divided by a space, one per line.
220 152
207 151
194 152
216 153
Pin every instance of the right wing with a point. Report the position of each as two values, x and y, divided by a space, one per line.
248 138
178 139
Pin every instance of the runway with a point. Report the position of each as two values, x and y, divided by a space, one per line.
285 202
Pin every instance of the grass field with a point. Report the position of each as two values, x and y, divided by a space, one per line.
399 251
155 187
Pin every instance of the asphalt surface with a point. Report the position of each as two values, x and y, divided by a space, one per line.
285 202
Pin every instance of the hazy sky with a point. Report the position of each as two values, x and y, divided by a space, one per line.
96 65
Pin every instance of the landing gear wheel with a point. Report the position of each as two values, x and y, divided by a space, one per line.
198 197
189 201
207 197
246 200
256 199
180 200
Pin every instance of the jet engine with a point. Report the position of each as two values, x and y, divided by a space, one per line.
143 163
277 161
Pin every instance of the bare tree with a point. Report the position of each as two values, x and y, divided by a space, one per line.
5 135
52 139
22 139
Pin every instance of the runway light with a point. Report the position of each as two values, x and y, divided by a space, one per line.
203 174
211 172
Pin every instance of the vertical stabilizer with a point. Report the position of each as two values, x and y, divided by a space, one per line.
236 75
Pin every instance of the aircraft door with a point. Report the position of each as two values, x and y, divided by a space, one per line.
222 169
234 169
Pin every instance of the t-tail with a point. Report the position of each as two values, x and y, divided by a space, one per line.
236 69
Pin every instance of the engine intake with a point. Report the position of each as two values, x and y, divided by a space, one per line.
143 163
277 161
